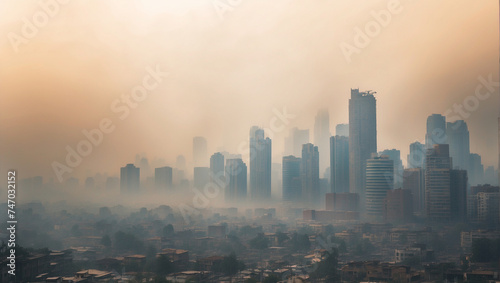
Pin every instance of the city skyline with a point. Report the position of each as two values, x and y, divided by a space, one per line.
46 116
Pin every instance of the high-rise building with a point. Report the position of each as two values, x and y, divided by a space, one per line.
236 176
342 130
201 177
476 169
260 165
129 179
437 183
309 168
395 155
362 138
481 206
217 177
379 180
416 158
295 140
292 185
414 181
457 135
458 195
339 164
163 178
200 156
322 137
490 176
398 206
436 130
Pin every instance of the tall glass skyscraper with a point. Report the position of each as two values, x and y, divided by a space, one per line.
457 135
236 175
260 165
379 179
309 168
292 186
129 179
362 137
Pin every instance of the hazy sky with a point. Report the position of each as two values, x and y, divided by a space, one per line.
228 69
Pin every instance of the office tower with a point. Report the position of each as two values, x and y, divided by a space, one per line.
379 180
490 176
217 177
458 195
276 180
309 168
295 140
398 206
488 208
339 164
260 165
395 155
163 178
437 183
342 130
414 181
476 169
129 179
322 137
457 135
483 204
362 138
436 130
236 176
342 202
416 158
200 156
292 185
201 177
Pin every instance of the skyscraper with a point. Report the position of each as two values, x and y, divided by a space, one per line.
339 164
236 176
200 156
414 181
457 135
295 140
322 137
292 185
217 177
379 180
362 138
260 165
416 158
163 178
129 179
476 169
395 155
342 130
437 183
436 130
458 195
309 175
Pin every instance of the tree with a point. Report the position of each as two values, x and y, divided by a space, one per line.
106 241
127 242
300 242
260 242
327 268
